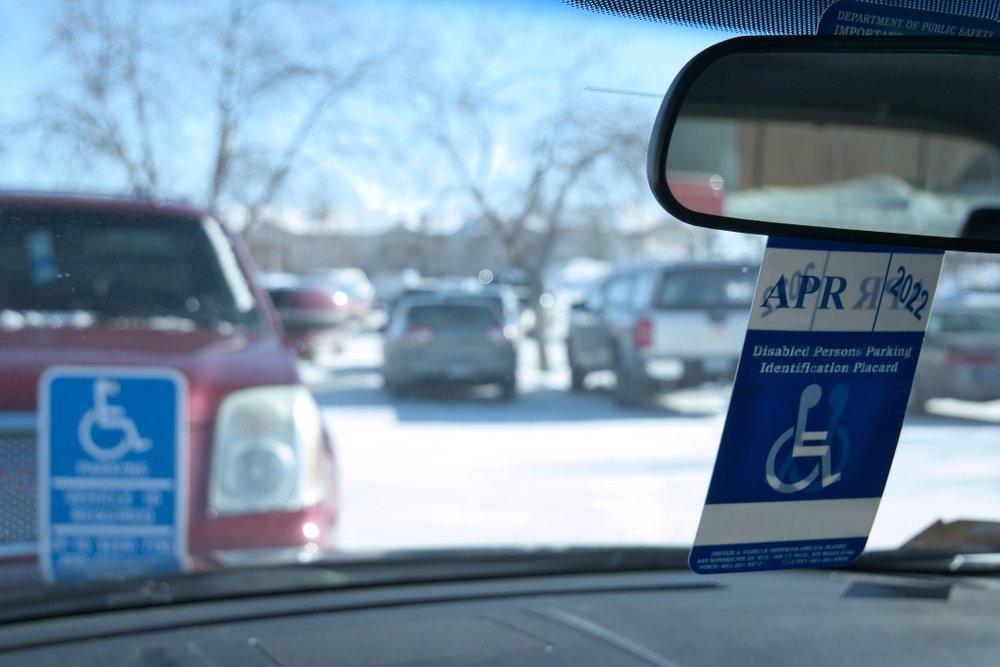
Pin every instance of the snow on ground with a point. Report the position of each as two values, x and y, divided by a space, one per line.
557 467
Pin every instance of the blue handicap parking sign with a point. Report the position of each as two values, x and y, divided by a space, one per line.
817 407
112 472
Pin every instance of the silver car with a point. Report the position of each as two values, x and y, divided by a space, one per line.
449 339
960 357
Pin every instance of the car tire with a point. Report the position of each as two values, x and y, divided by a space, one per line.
630 391
508 389
576 374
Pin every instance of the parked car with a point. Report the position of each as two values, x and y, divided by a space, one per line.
314 316
130 284
661 326
960 357
425 287
353 283
453 339
502 299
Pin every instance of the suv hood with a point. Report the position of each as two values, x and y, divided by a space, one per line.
213 362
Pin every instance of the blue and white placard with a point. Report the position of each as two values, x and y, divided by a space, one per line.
112 472
856 18
817 405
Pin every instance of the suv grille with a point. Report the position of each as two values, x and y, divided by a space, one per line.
18 488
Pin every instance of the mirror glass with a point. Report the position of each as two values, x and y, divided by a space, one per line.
875 141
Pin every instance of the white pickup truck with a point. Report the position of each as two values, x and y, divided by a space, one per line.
662 326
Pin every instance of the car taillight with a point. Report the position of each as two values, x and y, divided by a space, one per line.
643 333
971 358
499 335
419 335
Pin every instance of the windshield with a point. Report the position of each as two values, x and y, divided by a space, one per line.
707 288
452 316
481 329
121 267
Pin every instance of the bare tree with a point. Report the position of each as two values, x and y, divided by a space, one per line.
104 107
133 83
560 163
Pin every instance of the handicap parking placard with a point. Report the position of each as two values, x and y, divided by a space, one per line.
817 405
112 472
855 17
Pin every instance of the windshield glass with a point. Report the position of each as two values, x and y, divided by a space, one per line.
118 266
709 288
452 316
481 329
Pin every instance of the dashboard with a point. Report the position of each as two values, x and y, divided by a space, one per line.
647 618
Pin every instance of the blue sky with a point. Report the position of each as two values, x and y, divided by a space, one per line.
624 54
23 37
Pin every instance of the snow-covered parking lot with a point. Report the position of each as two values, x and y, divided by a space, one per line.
556 467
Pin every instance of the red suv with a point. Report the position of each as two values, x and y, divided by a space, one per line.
87 282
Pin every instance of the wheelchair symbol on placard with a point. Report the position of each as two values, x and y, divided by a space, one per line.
782 470
107 417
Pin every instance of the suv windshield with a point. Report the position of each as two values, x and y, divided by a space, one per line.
122 267
706 288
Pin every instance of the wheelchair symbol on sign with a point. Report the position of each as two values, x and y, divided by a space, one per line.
108 417
781 461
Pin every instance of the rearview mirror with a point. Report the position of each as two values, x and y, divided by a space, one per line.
886 140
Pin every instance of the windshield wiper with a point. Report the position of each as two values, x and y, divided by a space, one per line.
24 603
933 562
961 546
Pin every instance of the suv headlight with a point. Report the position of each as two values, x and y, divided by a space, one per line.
268 452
